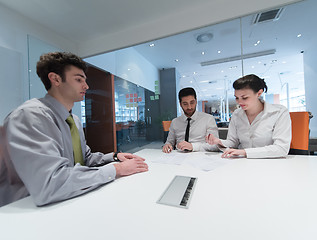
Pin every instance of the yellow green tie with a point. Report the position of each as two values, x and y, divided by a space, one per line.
78 154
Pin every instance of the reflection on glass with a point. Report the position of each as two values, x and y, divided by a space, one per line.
129 114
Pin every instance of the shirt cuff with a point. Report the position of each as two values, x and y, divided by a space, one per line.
196 146
109 172
252 153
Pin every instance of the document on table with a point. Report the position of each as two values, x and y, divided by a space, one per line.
202 160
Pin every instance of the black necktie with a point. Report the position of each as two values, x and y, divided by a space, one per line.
187 130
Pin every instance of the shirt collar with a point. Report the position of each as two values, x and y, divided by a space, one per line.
56 106
193 117
268 108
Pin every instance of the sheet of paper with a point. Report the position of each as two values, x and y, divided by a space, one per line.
202 160
174 157
207 162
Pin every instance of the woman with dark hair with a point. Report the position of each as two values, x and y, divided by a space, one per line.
257 129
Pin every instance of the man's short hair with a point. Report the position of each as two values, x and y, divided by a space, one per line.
186 92
57 62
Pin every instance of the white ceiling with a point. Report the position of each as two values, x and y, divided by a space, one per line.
83 20
98 26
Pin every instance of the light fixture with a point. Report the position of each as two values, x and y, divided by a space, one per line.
176 60
195 73
257 43
204 81
152 45
239 57
204 37
202 53
219 51
299 35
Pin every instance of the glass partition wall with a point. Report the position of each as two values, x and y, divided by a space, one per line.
277 45
129 115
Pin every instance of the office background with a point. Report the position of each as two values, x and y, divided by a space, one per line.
27 29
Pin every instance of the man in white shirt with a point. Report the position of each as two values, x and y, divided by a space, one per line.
188 131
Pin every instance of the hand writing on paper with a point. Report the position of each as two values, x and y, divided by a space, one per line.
167 148
185 146
234 153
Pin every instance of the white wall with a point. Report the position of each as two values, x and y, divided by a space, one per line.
14 29
128 64
310 74
183 19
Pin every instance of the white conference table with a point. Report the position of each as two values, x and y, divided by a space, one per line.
248 199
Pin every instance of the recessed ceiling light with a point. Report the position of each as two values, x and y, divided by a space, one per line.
195 73
299 35
129 69
184 76
219 51
202 53
176 60
222 71
152 45
259 62
252 66
284 62
204 81
257 43
191 81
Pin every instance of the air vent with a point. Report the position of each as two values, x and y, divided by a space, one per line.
272 15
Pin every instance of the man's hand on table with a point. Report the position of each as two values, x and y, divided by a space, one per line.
130 164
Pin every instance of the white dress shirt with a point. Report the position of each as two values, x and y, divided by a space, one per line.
41 162
201 124
268 136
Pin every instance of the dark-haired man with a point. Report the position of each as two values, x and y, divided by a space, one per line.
48 155
188 132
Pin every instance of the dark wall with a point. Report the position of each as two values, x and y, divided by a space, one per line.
168 96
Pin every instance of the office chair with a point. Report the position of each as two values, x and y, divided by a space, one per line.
166 128
300 133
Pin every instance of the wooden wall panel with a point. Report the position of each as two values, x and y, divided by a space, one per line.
100 112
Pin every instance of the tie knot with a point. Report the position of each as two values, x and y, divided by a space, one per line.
70 120
188 119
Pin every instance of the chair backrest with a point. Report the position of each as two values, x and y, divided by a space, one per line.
166 125
300 132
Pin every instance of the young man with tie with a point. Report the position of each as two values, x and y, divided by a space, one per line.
188 132
48 155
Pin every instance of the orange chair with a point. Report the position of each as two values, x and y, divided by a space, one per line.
300 133
166 128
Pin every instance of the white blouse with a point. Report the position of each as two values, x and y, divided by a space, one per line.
268 136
